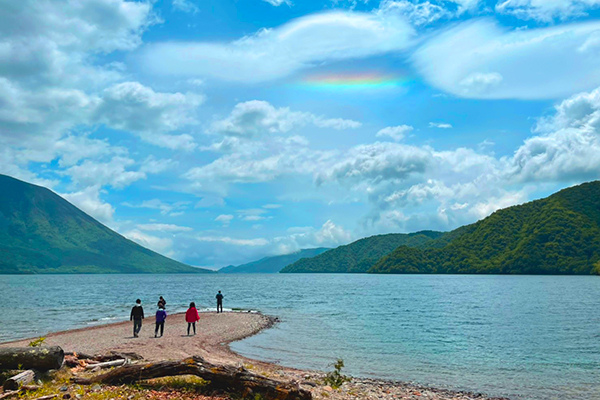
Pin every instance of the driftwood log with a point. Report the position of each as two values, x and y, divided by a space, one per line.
219 377
16 381
37 358
107 364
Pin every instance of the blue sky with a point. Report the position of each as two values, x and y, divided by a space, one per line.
217 132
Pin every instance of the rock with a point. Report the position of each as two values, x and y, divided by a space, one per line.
79 396
96 388
63 389
308 383
66 396
328 388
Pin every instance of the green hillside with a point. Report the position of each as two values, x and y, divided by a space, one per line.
361 255
40 232
272 265
556 235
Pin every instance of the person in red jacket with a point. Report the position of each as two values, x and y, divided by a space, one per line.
191 317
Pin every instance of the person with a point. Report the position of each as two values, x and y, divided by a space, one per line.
191 317
162 302
161 316
137 315
219 302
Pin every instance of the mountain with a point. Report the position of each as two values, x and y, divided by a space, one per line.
40 232
361 255
556 235
271 265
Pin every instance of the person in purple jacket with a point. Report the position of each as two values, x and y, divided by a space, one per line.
161 316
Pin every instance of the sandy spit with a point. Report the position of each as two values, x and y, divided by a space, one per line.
214 333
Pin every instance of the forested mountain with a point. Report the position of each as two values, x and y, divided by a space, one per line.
361 255
40 232
556 235
272 265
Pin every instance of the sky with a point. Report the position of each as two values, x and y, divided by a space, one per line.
217 132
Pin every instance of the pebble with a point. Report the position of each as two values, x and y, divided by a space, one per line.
63 389
96 387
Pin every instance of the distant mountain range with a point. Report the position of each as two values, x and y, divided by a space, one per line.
272 265
40 232
361 255
556 235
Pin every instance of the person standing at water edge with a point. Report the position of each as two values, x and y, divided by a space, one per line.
161 316
137 315
191 317
162 302
219 302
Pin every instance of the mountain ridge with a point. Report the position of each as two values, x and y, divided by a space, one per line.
41 232
272 264
559 234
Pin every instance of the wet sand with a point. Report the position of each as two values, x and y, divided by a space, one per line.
214 333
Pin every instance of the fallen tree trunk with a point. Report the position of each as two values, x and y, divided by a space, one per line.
16 381
38 358
220 377
107 364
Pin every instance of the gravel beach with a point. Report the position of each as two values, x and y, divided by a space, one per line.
214 333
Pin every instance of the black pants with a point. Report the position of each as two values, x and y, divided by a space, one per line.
137 326
161 326
192 325
219 306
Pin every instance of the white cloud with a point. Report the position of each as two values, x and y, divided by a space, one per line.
163 228
275 53
255 117
210 201
88 200
422 13
272 206
165 208
479 59
329 235
225 219
114 173
440 125
232 241
186 6
395 132
547 10
160 245
133 107
277 3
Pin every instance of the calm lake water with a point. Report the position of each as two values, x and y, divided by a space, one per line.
529 337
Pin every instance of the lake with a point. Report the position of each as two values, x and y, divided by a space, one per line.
530 337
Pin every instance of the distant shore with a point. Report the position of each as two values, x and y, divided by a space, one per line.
214 334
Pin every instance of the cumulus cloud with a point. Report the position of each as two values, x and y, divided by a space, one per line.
255 117
159 244
479 59
225 219
395 132
133 107
545 10
114 173
275 53
88 200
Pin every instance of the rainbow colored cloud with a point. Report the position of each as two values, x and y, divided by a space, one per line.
356 81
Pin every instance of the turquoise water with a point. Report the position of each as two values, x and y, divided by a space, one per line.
532 337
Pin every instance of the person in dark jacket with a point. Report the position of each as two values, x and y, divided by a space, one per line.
161 316
162 302
137 315
219 302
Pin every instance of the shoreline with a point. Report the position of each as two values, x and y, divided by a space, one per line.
215 333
